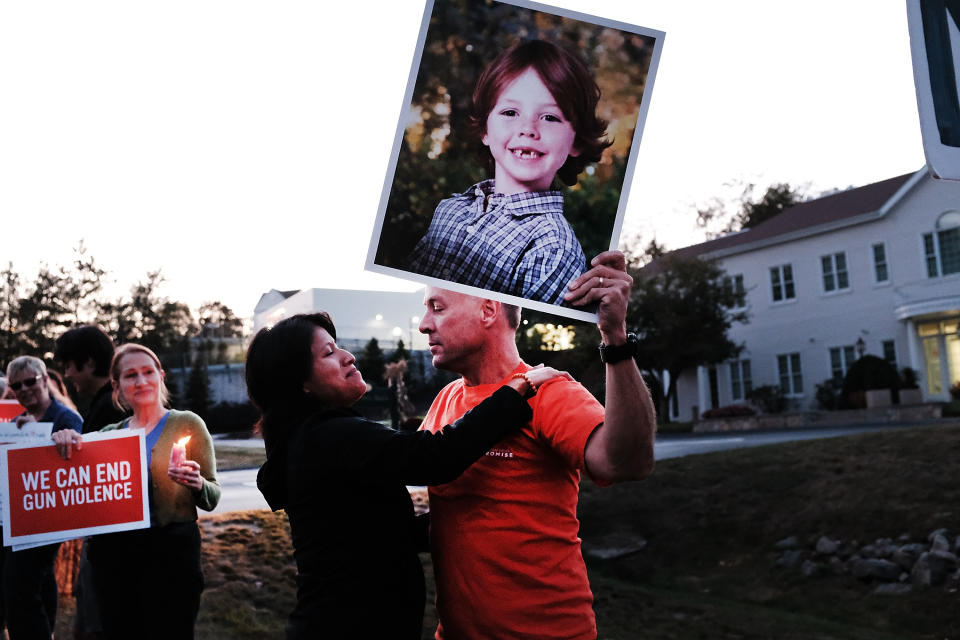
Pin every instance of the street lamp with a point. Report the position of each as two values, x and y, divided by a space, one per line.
861 347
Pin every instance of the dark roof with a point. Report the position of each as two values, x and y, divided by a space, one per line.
829 209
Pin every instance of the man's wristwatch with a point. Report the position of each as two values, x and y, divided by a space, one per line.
611 354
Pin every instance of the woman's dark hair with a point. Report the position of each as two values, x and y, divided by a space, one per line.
570 83
279 360
80 344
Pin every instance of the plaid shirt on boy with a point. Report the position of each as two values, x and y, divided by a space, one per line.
518 244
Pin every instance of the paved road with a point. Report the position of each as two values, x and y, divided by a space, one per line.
240 487
676 446
239 491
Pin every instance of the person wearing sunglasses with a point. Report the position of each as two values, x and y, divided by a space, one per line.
27 578
30 382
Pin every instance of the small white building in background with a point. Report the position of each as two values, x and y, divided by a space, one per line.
875 268
388 316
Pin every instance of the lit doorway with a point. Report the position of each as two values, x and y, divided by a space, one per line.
941 355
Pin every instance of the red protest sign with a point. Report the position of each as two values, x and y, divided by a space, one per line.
10 409
100 488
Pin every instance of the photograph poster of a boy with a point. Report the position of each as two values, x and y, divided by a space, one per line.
515 150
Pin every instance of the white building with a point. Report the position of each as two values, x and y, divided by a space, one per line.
878 264
387 316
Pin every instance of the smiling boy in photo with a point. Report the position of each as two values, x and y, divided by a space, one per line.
534 107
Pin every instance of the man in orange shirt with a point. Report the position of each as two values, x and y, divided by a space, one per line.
504 535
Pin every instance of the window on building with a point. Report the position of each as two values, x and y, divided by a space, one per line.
890 352
942 247
781 283
881 273
741 382
791 378
840 360
734 286
835 275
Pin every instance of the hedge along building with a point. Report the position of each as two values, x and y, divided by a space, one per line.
873 270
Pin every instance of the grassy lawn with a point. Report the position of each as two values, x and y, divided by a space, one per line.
249 574
705 527
710 524
231 458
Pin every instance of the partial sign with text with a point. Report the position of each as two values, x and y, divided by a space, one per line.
102 488
10 409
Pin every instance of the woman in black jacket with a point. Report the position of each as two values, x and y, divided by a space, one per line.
342 479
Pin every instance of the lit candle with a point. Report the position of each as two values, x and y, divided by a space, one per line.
178 454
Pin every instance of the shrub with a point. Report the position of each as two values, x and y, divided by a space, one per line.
769 398
828 395
955 391
951 409
230 417
869 372
908 378
729 411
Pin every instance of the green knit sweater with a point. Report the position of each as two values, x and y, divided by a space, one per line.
174 502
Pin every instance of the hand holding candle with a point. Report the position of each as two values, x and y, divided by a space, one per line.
178 454
181 470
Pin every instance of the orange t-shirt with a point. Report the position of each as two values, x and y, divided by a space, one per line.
504 534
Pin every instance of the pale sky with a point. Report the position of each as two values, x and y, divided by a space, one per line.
241 146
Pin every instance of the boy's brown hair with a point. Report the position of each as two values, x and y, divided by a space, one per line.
569 82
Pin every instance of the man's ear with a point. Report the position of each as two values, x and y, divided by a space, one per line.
91 363
490 310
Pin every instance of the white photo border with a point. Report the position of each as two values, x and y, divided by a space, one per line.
644 106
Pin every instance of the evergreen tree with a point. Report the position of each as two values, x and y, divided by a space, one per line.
371 362
175 391
400 353
198 388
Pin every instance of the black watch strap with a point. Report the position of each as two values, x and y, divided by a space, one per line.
612 354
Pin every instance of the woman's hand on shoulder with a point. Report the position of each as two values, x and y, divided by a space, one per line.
531 380
541 374
66 441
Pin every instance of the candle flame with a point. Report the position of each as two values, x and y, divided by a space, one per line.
182 442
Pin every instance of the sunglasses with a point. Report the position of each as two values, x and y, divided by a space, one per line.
29 382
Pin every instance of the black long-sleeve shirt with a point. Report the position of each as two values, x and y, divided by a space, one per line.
353 525
102 411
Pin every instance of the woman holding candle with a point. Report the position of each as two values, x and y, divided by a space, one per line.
148 581
358 572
